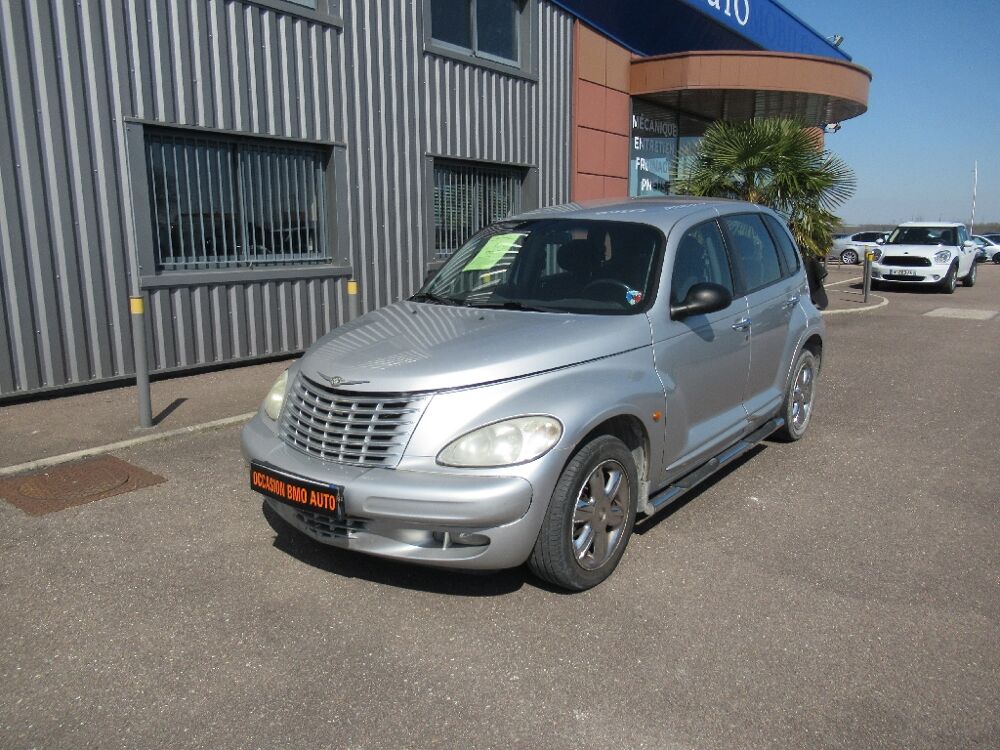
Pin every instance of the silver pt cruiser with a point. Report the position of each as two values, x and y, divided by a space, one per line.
566 371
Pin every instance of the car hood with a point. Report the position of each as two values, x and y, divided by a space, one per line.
411 346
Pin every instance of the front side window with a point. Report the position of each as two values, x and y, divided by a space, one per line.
234 203
471 196
481 28
553 265
700 258
754 254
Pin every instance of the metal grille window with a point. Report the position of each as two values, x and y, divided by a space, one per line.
218 203
468 197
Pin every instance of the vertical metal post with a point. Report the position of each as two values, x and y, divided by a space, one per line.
137 306
353 303
869 257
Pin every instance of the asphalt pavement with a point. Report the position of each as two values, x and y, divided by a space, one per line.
841 592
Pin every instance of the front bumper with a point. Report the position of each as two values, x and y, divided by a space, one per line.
933 274
449 519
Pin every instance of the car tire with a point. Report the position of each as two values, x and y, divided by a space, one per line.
996 258
950 280
800 396
970 278
570 551
850 258
877 286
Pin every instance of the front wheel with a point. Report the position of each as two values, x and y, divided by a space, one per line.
590 516
798 405
950 280
970 277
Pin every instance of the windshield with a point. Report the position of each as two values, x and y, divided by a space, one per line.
924 236
552 265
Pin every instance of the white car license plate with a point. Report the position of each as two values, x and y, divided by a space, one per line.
904 272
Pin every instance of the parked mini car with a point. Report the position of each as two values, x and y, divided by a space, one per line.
850 249
935 253
566 371
987 247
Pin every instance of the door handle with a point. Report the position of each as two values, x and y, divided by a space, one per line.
743 324
791 302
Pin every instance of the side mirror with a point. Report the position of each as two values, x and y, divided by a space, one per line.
702 299
969 243
880 241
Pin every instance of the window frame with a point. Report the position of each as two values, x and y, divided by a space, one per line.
331 16
523 67
336 260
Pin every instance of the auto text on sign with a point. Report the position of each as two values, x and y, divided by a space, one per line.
738 8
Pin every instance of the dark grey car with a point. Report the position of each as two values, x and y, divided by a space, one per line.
566 371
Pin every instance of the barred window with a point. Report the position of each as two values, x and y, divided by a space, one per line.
468 197
235 203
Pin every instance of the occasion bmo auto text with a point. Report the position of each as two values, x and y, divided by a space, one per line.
567 370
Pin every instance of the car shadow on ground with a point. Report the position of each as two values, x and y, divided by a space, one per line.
390 573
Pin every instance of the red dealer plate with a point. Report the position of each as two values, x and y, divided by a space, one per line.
293 490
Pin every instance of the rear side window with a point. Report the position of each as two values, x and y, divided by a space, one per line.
789 253
700 258
754 255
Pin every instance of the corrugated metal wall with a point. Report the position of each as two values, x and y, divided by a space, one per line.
72 72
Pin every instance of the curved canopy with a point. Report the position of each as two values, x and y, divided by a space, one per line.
750 84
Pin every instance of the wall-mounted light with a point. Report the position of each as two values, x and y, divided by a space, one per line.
831 127
836 40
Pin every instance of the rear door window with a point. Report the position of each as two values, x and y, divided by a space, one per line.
755 258
789 253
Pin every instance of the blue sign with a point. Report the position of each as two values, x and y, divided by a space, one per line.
660 27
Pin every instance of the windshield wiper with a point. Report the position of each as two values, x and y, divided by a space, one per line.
510 305
431 297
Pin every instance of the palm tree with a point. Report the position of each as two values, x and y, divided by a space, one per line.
779 164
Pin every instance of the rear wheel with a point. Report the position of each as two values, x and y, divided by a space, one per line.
849 257
590 517
996 258
798 405
950 280
970 277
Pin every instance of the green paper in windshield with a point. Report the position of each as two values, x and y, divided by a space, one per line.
493 251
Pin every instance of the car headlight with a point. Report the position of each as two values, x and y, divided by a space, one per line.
506 443
275 398
876 255
943 256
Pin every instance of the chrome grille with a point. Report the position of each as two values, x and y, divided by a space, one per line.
349 428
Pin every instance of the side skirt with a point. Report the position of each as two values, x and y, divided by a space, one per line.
693 478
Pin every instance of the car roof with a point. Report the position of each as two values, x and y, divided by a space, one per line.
661 212
932 224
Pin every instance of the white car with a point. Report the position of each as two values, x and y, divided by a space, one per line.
850 248
920 252
988 247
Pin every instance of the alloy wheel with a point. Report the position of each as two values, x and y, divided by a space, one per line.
802 398
599 517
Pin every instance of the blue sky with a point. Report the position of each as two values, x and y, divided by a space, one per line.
934 107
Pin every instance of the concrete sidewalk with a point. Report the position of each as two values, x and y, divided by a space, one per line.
52 426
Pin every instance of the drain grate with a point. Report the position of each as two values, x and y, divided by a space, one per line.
61 487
